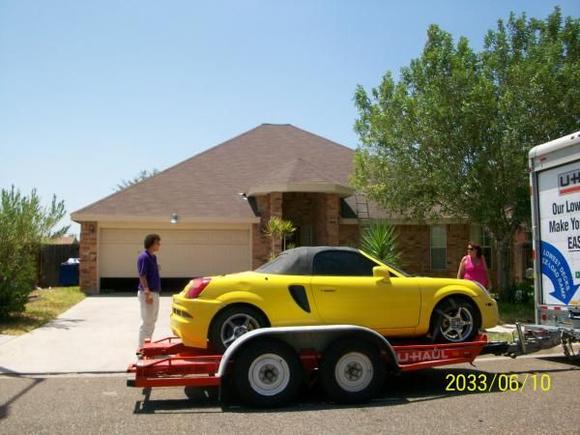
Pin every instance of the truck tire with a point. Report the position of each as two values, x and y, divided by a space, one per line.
352 371
231 323
454 321
267 373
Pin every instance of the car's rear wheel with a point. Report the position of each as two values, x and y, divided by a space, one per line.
267 372
454 321
352 371
232 323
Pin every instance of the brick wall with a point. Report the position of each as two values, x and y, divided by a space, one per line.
88 257
266 206
298 207
349 235
413 243
319 210
457 240
326 216
332 208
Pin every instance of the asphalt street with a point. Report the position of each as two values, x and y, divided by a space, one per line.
411 403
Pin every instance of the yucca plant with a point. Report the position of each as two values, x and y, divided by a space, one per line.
379 239
278 228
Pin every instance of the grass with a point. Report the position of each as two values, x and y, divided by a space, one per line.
42 306
510 312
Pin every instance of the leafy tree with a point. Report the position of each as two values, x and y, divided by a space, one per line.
141 176
450 137
379 239
24 224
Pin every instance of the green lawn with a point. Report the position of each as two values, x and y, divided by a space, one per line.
43 306
510 312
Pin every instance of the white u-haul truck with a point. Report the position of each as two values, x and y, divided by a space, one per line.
555 189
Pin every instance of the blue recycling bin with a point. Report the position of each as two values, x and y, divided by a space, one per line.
68 274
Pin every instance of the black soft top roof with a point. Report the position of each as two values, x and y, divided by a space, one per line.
298 261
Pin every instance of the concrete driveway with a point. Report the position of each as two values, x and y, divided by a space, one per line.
97 335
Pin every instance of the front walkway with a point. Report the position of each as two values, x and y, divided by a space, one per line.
97 335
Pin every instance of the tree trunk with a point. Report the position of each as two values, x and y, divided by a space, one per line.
504 265
276 246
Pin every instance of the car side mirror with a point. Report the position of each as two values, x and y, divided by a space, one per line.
382 272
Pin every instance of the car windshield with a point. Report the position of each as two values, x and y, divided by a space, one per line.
397 270
295 263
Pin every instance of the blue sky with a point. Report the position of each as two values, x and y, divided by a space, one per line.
94 92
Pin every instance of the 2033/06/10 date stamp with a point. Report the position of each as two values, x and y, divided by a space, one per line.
487 382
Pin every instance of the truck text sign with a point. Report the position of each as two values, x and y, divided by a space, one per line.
559 206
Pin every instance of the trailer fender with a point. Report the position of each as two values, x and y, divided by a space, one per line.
308 337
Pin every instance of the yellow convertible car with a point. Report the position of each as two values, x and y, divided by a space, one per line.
329 285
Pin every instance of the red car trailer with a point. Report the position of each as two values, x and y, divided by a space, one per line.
267 367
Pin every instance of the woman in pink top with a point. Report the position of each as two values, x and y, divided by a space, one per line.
473 266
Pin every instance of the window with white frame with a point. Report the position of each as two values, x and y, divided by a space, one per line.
438 247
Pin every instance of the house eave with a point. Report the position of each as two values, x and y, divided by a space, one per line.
87 217
342 190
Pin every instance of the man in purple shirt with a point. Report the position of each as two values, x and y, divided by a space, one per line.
149 287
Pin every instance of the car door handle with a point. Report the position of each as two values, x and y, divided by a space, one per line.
328 290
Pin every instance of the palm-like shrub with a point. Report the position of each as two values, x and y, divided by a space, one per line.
379 239
278 229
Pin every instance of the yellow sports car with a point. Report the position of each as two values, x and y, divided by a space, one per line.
329 285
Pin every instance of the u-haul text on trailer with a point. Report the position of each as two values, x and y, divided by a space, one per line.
555 183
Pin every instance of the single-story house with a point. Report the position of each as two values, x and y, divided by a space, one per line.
211 209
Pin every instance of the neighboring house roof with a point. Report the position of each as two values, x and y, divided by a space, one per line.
207 186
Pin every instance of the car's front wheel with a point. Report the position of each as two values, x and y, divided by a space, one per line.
232 323
454 321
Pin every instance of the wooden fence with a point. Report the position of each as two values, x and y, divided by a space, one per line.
49 260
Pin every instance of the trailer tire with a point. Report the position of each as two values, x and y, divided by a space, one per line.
352 371
267 373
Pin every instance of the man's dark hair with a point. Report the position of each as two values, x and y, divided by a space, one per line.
150 239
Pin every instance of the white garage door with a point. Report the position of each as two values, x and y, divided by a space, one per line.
183 253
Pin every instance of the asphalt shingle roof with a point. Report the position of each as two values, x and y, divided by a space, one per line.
208 185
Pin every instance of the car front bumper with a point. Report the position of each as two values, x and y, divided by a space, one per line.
489 313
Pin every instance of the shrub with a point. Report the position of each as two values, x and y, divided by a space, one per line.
278 228
380 240
24 224
521 292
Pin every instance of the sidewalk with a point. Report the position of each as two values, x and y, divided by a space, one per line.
97 335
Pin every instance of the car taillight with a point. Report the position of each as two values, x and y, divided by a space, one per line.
196 286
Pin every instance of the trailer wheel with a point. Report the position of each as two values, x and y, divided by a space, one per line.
267 372
352 371
454 321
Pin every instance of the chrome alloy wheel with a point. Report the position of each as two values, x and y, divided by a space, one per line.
456 324
235 326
